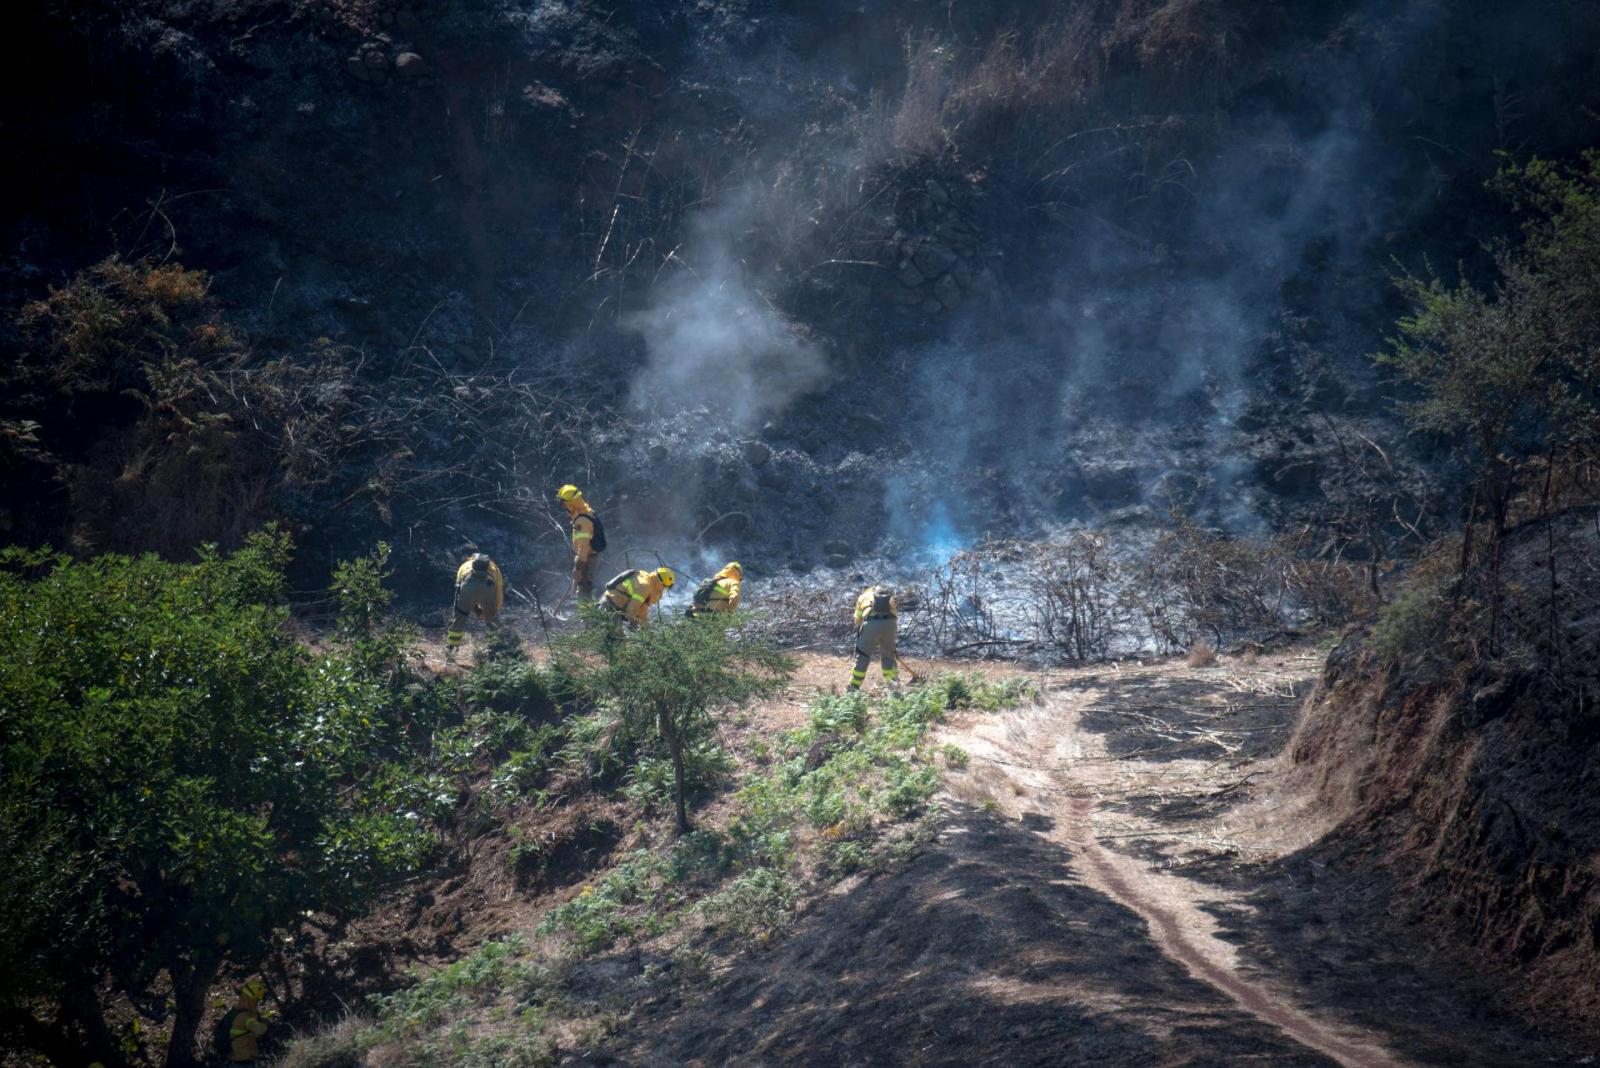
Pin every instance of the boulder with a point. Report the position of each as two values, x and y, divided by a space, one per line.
932 306
837 561
948 292
936 192
910 277
773 478
410 65
657 452
375 59
756 453
839 548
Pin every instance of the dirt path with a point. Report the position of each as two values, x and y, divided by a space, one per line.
1117 879
1045 766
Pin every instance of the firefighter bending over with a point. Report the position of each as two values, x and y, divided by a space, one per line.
877 619
480 592
720 592
631 593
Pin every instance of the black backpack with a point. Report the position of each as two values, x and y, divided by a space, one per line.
598 542
703 592
882 603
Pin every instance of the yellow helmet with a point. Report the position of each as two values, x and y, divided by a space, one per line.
567 492
735 568
666 576
254 989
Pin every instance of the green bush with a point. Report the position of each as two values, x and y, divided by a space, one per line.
183 785
665 681
1415 624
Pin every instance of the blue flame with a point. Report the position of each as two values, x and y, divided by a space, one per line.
939 537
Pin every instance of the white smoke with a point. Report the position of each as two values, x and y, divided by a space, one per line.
712 337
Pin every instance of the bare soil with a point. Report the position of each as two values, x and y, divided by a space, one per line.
1122 875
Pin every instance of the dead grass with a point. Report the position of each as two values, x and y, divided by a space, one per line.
1201 655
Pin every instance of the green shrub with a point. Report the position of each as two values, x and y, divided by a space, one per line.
1415 624
665 681
183 783
757 904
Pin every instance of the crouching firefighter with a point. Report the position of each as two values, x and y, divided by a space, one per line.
877 619
719 593
631 593
480 592
588 539
239 1031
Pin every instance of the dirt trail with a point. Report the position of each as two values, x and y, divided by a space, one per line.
1051 769
1118 877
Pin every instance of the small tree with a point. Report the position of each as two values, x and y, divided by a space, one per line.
183 784
669 679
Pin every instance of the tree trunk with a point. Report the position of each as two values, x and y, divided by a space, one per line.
191 982
675 744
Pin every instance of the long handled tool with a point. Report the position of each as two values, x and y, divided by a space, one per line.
911 673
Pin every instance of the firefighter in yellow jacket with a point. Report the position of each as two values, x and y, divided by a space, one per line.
245 1026
631 593
720 592
588 539
877 620
480 591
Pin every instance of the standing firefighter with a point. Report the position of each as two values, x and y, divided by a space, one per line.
588 539
480 591
631 593
239 1032
877 618
720 592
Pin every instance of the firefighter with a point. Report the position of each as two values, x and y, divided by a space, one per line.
631 593
720 592
877 619
588 539
245 1025
480 591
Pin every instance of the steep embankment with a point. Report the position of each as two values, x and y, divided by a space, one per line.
1464 761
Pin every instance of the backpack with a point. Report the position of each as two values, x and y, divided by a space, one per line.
703 592
882 603
598 542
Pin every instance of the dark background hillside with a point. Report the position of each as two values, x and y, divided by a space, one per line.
868 276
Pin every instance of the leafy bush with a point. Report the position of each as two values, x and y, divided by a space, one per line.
1415 624
666 680
184 784
758 904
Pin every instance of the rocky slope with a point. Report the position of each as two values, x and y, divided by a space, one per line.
828 273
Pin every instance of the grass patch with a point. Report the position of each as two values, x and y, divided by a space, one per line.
849 791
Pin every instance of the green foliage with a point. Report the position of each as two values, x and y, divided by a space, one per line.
758 904
600 915
665 681
1513 371
1416 624
183 782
